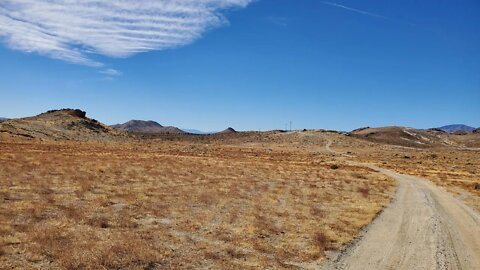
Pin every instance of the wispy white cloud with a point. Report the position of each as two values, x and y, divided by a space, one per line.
111 72
77 30
363 12
279 21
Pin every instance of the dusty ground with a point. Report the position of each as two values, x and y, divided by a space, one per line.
239 202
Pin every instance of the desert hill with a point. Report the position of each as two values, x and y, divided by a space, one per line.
410 137
400 136
64 124
151 127
228 130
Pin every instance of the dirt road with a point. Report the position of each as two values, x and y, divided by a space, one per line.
423 228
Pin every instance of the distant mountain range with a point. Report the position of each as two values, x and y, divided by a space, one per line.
196 131
199 132
152 127
70 124
73 124
457 128
140 126
3 119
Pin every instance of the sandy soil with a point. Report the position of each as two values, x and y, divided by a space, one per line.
423 228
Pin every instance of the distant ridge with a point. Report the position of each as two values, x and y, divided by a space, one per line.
196 131
437 130
457 128
151 127
3 119
359 129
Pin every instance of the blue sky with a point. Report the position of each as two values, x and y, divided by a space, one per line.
248 64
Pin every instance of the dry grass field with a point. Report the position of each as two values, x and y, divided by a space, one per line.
239 203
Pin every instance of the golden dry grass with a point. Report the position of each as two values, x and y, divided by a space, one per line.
172 205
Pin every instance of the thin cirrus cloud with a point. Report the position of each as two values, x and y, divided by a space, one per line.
77 30
359 11
111 72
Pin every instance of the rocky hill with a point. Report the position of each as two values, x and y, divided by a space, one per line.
402 136
228 130
410 137
150 127
64 124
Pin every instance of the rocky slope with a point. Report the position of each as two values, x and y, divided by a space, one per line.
64 124
410 137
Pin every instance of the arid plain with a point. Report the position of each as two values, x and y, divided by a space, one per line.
96 198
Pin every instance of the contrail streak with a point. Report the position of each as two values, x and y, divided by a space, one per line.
363 12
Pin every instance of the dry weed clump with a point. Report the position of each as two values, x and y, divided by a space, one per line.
49 240
334 166
365 191
321 241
